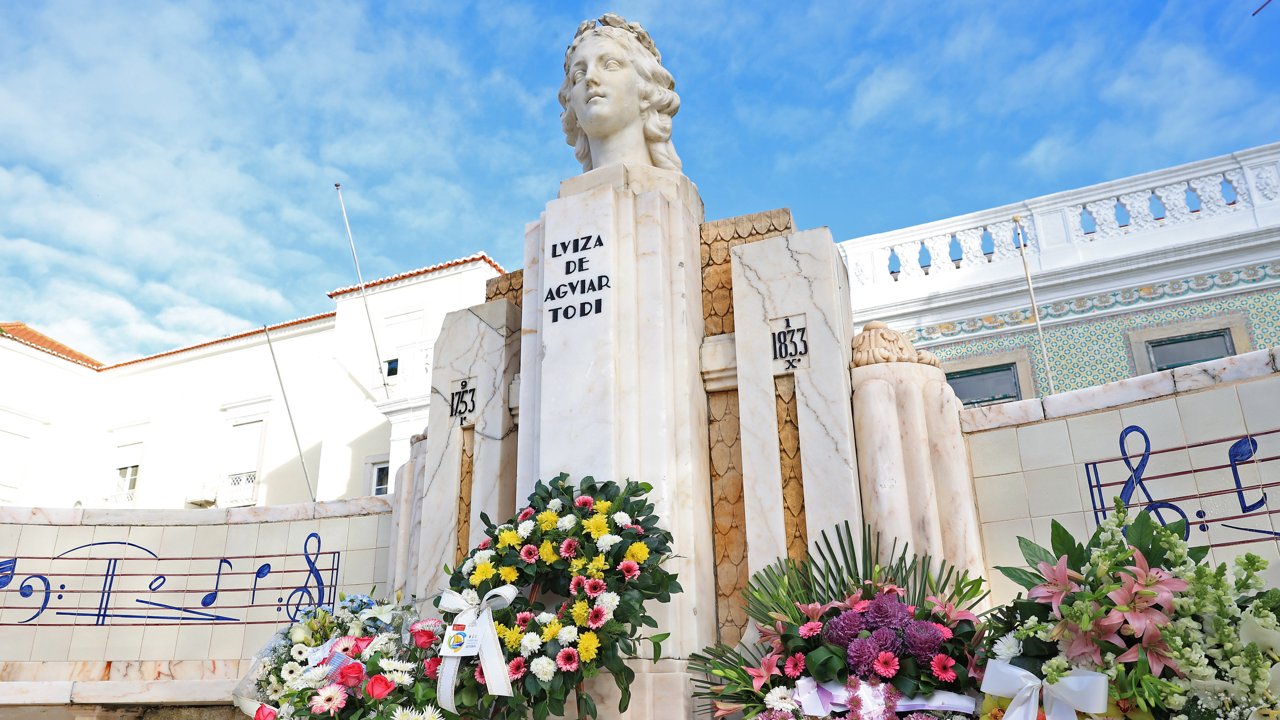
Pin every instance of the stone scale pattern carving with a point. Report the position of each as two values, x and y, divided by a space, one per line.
728 513
505 287
717 280
795 528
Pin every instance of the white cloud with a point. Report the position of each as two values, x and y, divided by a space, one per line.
881 93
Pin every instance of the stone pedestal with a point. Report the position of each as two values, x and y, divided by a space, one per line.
610 381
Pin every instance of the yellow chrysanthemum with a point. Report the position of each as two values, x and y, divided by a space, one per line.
511 638
576 564
508 574
588 646
597 526
547 552
483 572
547 520
581 611
508 538
597 567
550 630
638 552
603 506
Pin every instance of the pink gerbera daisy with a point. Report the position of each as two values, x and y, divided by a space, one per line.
946 631
794 666
345 645
480 675
577 584
529 554
595 586
485 543
942 668
516 668
584 501
885 665
630 569
525 514
567 660
810 629
329 700
523 619
569 548
597 618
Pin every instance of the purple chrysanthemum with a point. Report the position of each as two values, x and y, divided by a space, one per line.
861 654
923 640
843 628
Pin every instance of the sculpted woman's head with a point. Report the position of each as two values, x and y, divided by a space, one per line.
618 100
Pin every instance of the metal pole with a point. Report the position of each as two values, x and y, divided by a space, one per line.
1035 307
363 297
296 443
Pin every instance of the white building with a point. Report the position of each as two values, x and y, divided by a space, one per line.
208 424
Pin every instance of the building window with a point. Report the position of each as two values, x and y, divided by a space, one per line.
128 481
381 479
393 367
1173 352
986 385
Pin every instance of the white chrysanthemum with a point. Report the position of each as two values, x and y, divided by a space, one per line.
545 618
404 713
621 518
379 644
468 566
567 635
390 665
290 671
543 668
402 679
779 698
470 597
430 712
530 644
555 505
311 679
525 529
607 541
609 601
299 652
1007 648
566 523
483 555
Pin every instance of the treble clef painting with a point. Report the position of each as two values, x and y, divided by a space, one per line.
302 596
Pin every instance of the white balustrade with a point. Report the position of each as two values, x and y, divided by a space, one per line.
239 490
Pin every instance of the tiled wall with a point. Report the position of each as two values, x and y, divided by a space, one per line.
1095 351
130 592
1068 468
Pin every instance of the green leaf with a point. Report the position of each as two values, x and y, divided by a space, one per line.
1063 543
656 641
1022 576
1141 532
1198 554
1035 554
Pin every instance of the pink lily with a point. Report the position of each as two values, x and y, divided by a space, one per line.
724 708
950 611
1157 653
1136 605
814 611
1155 580
772 636
1060 583
768 667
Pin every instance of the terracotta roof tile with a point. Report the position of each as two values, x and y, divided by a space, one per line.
26 335
229 338
478 257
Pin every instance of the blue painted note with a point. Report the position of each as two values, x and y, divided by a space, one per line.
6 571
263 570
212 596
302 598
26 590
1242 451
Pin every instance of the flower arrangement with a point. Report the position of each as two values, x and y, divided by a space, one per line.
357 658
1168 635
843 637
587 559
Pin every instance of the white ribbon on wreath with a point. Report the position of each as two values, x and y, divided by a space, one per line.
1078 690
480 617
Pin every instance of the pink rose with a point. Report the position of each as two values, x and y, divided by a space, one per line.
423 638
361 644
378 687
431 667
265 712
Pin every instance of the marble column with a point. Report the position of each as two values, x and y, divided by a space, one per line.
911 452
791 315
610 381
476 358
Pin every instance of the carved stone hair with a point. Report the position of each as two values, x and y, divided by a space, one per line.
658 99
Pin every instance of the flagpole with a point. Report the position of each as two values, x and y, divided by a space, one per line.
1035 307
289 411
363 296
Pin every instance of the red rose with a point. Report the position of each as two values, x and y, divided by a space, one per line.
265 712
351 674
423 638
360 644
431 666
378 687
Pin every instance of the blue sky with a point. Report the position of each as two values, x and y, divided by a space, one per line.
167 170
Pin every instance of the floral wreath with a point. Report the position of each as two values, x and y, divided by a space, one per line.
585 559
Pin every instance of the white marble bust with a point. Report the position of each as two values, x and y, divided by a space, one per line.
618 100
